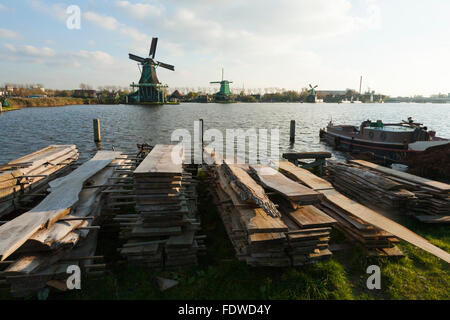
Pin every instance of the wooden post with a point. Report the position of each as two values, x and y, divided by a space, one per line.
292 132
97 135
201 136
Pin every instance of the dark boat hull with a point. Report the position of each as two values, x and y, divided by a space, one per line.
387 151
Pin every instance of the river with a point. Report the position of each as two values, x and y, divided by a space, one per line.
123 126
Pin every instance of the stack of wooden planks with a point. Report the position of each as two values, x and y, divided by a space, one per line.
28 175
265 233
359 222
368 187
40 244
163 235
376 241
427 200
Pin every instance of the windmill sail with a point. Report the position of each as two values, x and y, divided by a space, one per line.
153 48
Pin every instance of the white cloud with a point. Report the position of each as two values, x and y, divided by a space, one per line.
111 24
95 57
142 11
56 11
46 55
3 8
29 51
105 22
8 34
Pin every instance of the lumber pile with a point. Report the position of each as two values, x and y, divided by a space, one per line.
28 175
163 234
368 187
427 200
353 217
290 235
60 231
375 240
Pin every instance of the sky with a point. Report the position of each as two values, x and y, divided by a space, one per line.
400 47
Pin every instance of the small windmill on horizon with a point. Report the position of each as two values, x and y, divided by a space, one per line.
224 94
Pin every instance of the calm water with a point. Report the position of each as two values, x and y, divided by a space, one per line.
26 130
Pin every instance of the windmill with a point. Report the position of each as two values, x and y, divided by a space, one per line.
149 89
224 94
312 94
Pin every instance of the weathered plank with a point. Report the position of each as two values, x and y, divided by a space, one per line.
275 181
89 200
254 219
304 176
383 223
64 194
310 217
442 187
249 189
160 160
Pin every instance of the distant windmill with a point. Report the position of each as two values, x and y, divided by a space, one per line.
224 94
312 94
150 90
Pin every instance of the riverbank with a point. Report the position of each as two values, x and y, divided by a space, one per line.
18 103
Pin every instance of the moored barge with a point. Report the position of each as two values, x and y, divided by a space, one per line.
394 141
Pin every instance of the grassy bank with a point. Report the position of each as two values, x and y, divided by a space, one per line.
220 276
16 103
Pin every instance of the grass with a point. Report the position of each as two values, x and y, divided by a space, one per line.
220 276
16 103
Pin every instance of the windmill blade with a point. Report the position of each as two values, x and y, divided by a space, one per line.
316 86
310 86
165 65
136 58
153 48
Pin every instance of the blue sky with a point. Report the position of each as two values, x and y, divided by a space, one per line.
400 47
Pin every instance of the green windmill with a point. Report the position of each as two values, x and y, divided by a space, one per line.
312 94
149 89
224 94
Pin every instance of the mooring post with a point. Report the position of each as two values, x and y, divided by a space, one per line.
97 136
201 136
292 132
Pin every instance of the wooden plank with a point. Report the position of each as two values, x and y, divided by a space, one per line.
304 176
379 221
274 180
442 187
249 189
310 216
266 237
254 219
89 201
159 160
63 195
